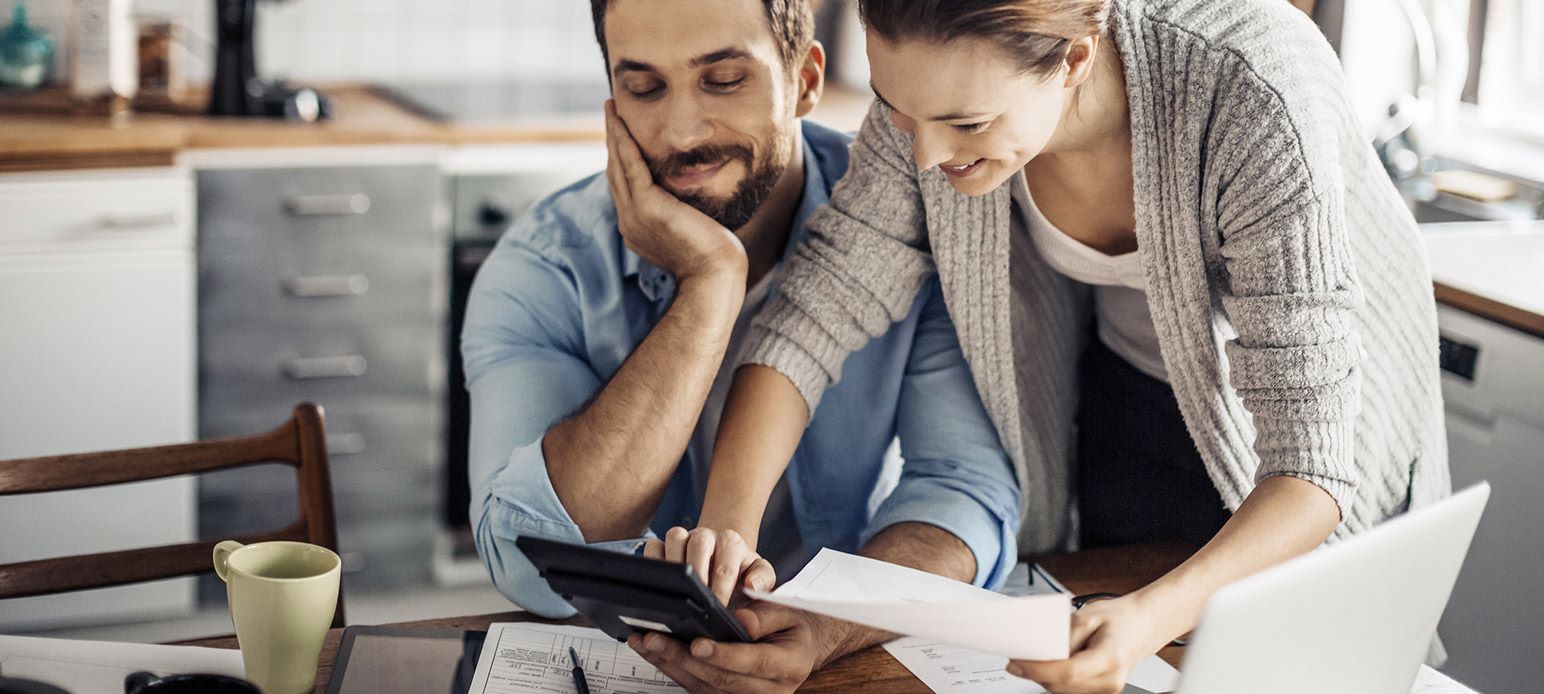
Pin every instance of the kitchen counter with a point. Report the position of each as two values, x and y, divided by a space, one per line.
38 133
1494 270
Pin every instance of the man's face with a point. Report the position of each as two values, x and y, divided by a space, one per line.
705 93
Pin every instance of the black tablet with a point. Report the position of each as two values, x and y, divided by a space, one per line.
385 660
623 593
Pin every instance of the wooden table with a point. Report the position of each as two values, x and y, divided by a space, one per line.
873 670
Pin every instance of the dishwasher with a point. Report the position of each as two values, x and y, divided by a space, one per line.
1493 388
96 353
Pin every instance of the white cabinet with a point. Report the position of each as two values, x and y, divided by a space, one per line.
97 319
1493 385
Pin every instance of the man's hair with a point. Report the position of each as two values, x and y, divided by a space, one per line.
792 23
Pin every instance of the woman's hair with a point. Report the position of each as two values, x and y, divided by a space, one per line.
1034 32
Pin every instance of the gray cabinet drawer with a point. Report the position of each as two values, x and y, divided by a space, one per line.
317 210
381 553
385 464
260 370
363 440
322 291
263 498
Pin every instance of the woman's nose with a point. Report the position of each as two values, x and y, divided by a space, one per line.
929 151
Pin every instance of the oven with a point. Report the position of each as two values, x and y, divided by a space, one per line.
490 188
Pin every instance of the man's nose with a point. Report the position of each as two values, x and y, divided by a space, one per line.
687 124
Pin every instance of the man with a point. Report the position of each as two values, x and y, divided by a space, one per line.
597 333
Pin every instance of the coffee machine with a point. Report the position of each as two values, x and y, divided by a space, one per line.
236 90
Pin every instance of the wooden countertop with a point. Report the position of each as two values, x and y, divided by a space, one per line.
1494 270
38 132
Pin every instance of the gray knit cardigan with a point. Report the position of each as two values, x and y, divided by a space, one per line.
1286 279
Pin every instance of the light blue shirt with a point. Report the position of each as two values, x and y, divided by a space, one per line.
561 303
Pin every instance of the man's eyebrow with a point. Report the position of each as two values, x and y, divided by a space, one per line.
718 56
625 65
945 117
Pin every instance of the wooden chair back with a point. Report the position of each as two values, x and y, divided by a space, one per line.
299 442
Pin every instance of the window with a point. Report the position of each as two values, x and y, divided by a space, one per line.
1506 69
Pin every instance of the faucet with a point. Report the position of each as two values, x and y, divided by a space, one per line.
1404 141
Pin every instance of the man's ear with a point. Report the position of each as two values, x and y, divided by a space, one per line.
1080 60
811 79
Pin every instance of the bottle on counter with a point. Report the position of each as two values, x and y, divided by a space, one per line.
105 69
26 54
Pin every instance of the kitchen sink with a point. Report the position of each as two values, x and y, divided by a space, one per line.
1431 206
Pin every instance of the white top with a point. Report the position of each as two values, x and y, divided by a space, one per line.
1120 296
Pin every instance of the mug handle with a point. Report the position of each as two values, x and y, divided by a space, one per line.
222 553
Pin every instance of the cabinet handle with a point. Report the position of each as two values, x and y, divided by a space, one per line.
304 368
326 286
346 204
138 222
345 443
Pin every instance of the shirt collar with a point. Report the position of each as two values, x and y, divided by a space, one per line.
659 286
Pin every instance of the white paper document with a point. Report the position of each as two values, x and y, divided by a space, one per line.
952 669
916 603
99 667
531 657
959 636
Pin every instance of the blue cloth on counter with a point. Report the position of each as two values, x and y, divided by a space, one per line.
561 303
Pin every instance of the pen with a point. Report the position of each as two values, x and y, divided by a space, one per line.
584 687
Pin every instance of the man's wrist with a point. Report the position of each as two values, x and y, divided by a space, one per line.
723 293
726 267
837 638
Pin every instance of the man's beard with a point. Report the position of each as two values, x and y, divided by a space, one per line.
737 209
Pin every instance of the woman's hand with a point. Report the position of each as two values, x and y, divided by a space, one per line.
1109 638
721 558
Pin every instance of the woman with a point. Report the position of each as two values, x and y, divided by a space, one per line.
1194 305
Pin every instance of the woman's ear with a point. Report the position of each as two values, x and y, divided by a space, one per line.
1080 60
811 79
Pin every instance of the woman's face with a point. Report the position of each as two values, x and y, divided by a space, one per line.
971 112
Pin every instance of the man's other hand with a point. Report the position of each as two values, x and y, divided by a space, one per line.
789 645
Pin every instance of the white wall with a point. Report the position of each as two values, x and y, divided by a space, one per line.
380 40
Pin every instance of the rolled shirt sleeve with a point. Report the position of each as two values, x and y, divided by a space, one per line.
521 502
521 345
956 475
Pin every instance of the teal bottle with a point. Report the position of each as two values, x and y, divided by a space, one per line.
26 54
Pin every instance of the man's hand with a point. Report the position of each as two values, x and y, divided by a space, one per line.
722 559
789 646
1109 638
656 225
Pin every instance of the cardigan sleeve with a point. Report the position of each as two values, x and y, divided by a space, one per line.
1290 286
858 271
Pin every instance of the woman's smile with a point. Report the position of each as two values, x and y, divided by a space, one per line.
961 170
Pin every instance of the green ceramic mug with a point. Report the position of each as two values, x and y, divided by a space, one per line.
282 597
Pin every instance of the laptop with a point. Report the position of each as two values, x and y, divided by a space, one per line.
1355 618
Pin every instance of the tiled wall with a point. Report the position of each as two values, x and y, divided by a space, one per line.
380 40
